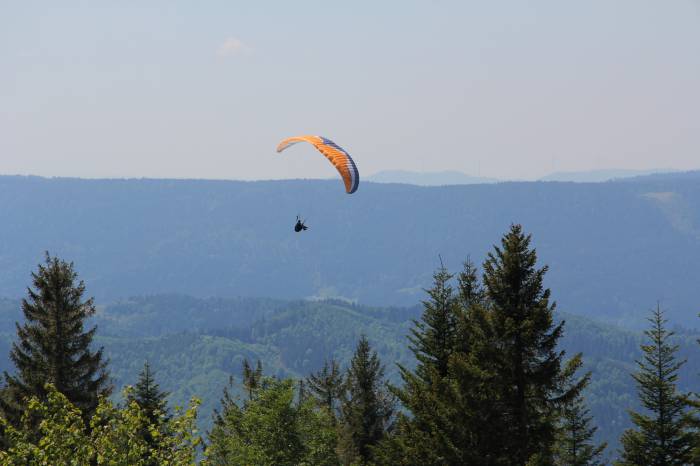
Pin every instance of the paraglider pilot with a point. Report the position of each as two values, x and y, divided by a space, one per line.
300 225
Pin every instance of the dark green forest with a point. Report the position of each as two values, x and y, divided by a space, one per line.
194 345
334 382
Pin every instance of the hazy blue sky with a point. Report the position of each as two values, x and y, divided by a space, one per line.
512 89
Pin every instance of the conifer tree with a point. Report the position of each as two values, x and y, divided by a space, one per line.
152 404
498 399
53 346
470 290
433 336
663 436
149 397
529 379
367 408
226 419
574 442
326 385
470 410
431 434
252 378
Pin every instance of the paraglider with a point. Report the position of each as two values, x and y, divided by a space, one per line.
300 225
340 159
335 154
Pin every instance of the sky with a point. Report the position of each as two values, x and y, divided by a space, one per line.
507 89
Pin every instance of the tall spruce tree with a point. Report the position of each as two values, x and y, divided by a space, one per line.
367 407
471 410
499 399
53 346
433 336
663 436
326 386
530 380
432 433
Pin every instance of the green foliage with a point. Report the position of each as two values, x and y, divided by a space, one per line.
60 430
152 403
367 408
574 446
662 435
440 427
114 437
53 347
326 386
149 397
118 434
489 384
294 340
252 378
489 380
433 336
179 441
272 428
471 292
527 365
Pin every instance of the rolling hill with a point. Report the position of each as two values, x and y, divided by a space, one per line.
614 249
195 345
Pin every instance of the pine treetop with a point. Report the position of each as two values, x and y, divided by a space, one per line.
148 395
367 407
470 290
663 435
326 385
53 346
529 374
433 337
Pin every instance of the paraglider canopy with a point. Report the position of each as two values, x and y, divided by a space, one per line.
334 153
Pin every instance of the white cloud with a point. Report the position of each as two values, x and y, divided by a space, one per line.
232 46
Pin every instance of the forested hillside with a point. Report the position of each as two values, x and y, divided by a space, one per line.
613 248
195 345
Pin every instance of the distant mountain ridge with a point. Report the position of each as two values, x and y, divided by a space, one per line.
453 177
613 248
597 176
441 178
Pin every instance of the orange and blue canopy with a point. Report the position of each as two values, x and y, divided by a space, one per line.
337 156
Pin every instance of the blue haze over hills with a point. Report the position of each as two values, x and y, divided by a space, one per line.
613 248
450 177
595 176
442 178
